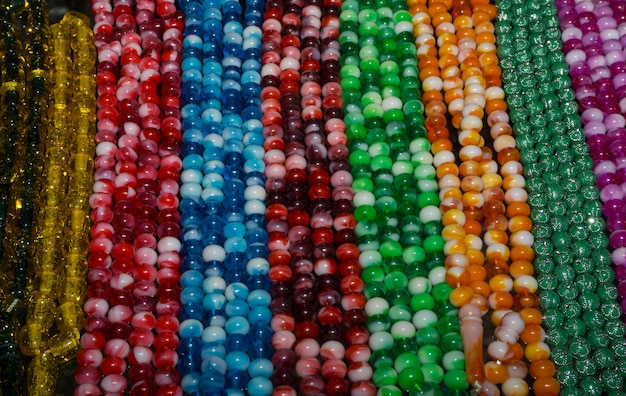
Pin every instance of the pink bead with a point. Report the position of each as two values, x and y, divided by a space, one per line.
334 368
117 347
307 347
140 355
120 313
145 255
89 357
363 388
143 320
92 340
169 188
163 359
282 322
332 350
87 375
284 390
311 385
87 390
96 306
113 383
121 281
358 353
307 366
283 340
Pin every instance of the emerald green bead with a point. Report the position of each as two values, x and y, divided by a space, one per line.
451 342
422 301
378 323
579 347
427 336
400 312
413 254
373 110
384 376
393 115
389 390
404 345
567 376
405 360
593 318
350 82
607 292
396 279
591 386
368 28
441 292
556 337
362 183
604 358
381 358
448 324
615 328
428 198
433 228
433 373
575 327
455 380
410 377
433 243
359 158
373 273
365 213
390 91
430 354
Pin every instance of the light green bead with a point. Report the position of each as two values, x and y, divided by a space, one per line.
370 258
403 329
413 254
373 110
384 12
400 312
430 354
376 306
396 279
410 377
453 360
389 390
371 97
437 275
379 148
364 198
422 301
433 373
349 70
427 336
425 172
427 186
390 249
388 67
430 213
390 91
367 15
419 144
385 377
402 167
419 284
422 158
363 184
424 318
380 340
404 360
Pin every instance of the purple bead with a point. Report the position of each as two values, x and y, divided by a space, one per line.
620 175
618 148
612 191
605 179
618 67
588 102
580 68
621 289
594 128
617 239
619 256
620 273
603 10
612 207
572 44
614 223
616 133
611 45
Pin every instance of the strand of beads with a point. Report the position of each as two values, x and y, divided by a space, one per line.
273 84
596 59
96 306
60 298
403 305
192 264
166 342
583 326
260 367
344 263
12 124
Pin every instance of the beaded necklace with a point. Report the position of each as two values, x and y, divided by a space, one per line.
65 294
12 96
405 282
596 61
583 326
234 324
473 50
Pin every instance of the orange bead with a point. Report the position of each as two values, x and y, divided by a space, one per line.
518 209
518 351
455 246
470 62
436 8
477 272
441 18
425 61
488 60
447 169
452 94
485 6
542 368
470 138
461 296
432 96
471 71
496 372
435 121
473 227
493 81
480 287
456 119
463 22
495 236
490 69
519 223
452 232
417 8
522 252
450 192
429 71
437 133
475 257
458 276
446 39
485 37
466 32
532 333
537 351
448 60
546 387
500 300
521 267
531 316
495 104
453 216
435 107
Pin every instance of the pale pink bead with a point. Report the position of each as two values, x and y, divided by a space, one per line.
106 149
145 255
332 350
506 334
275 171
145 289
307 366
274 157
517 369
120 313
87 390
515 387
169 187
169 359
168 260
363 388
341 178
113 383
169 244
108 124
121 281
290 62
489 389
284 390
104 230
100 274
499 350
96 306
338 136
141 354
619 256
282 322
496 117
360 371
307 347
117 347
320 220
107 55
334 368
143 320
283 340
295 162
173 161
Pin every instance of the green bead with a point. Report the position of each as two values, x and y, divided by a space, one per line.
561 357
591 386
571 308
615 328
604 358
453 360
389 390
430 354
373 273
455 380
410 377
575 327
607 292
567 376
405 345
427 336
556 337
589 301
611 310
593 318
451 342
612 379
585 282
406 360
400 312
553 317
579 347
549 300
422 301
441 291
433 373
448 324
381 340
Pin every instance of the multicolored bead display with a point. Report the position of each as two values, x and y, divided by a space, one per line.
306 197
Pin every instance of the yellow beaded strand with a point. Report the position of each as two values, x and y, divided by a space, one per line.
64 220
